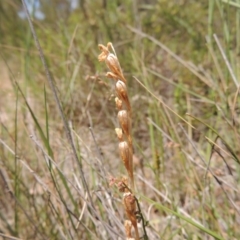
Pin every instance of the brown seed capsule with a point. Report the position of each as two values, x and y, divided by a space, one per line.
121 90
130 206
124 121
125 153
113 64
129 203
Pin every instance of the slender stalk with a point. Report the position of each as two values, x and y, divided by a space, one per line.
123 134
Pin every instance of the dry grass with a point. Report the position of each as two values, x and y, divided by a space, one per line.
184 123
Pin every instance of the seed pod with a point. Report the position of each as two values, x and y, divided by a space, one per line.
126 156
129 203
121 91
125 153
130 207
124 121
113 64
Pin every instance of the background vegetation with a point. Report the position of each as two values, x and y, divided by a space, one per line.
181 60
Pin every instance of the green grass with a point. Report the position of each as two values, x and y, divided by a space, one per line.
181 60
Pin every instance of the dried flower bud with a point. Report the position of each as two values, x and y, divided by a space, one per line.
111 61
121 90
118 103
122 185
124 121
130 202
126 156
109 45
130 207
113 64
125 153
104 53
119 134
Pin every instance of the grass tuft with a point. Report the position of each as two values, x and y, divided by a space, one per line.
177 120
